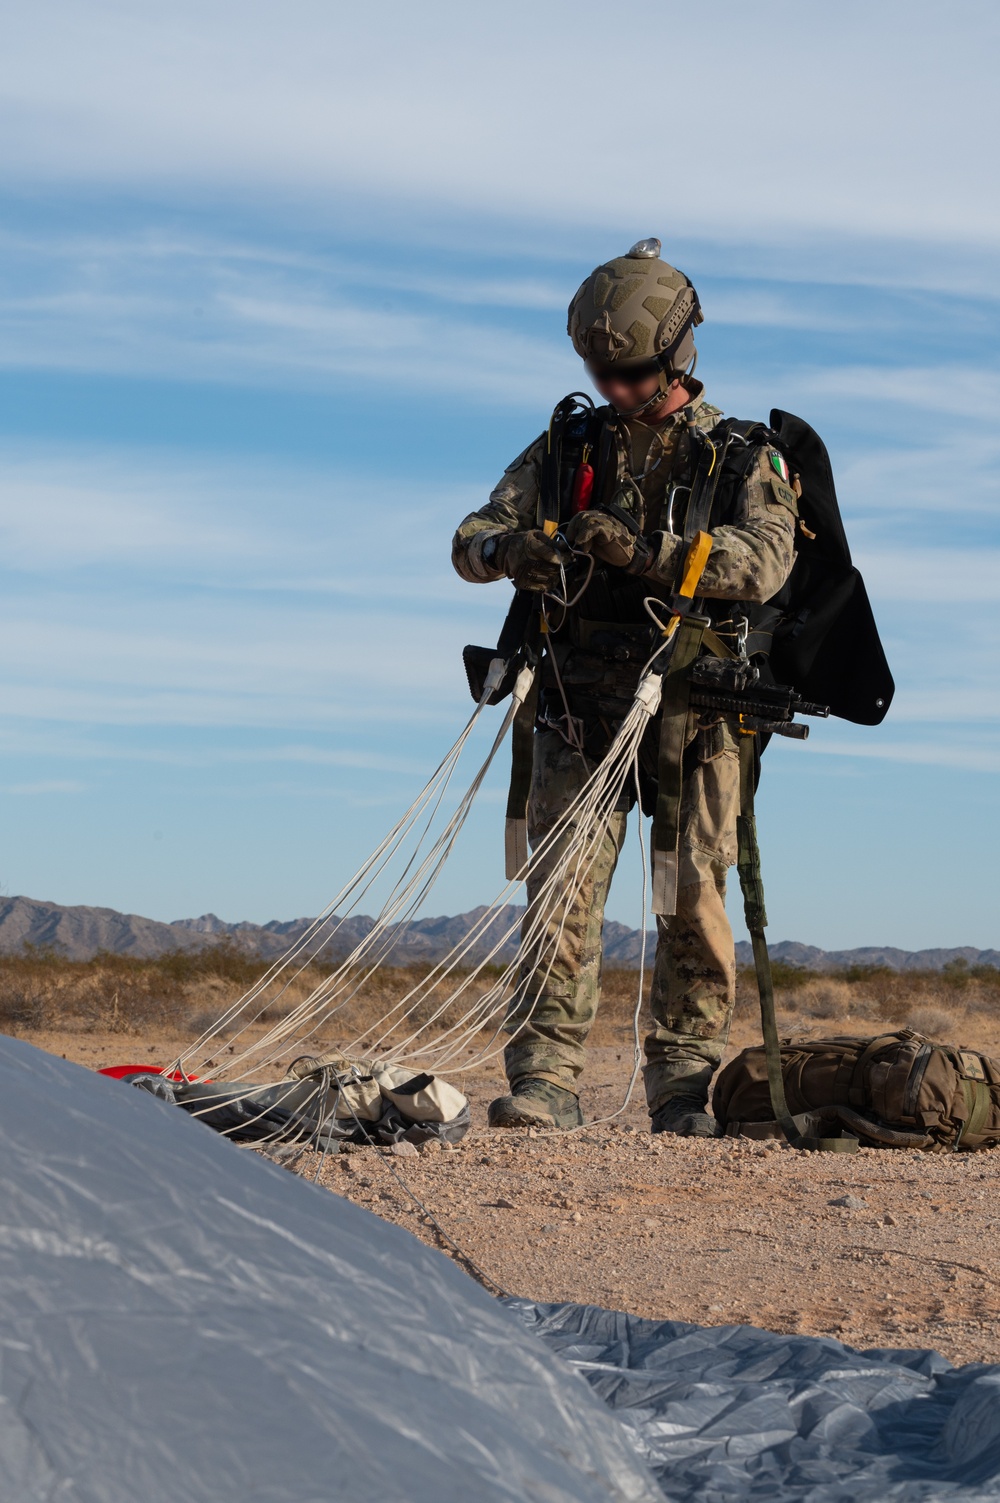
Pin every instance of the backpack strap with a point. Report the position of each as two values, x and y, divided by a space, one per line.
978 1101
724 456
856 1090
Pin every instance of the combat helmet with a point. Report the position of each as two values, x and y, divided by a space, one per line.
637 310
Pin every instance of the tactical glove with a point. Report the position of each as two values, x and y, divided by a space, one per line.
610 540
530 559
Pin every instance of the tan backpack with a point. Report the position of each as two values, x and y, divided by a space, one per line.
898 1090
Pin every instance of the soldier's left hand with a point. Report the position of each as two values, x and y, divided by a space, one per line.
603 535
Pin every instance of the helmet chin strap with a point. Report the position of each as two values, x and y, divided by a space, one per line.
667 379
655 400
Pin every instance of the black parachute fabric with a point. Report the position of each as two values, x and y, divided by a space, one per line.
827 644
732 1414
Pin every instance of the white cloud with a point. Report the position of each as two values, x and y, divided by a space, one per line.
949 390
229 524
954 477
929 576
876 118
211 315
963 758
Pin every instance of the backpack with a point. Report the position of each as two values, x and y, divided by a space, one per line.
897 1090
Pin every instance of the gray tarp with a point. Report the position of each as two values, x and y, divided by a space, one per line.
183 1320
732 1413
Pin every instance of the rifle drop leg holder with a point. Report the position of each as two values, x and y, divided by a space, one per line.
752 886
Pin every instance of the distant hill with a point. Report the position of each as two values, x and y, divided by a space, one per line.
79 933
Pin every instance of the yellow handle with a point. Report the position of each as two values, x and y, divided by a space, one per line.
694 564
550 528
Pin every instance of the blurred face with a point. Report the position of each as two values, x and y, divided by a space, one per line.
624 391
627 388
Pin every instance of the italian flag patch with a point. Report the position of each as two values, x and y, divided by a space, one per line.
778 464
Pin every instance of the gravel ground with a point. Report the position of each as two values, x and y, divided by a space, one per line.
880 1248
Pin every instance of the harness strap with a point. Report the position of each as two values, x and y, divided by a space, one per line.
670 768
522 742
856 1090
978 1100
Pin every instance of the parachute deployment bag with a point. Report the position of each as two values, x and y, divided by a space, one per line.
897 1090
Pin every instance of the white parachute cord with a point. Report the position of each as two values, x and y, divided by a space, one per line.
564 894
442 1061
591 814
597 798
580 814
397 911
370 869
422 988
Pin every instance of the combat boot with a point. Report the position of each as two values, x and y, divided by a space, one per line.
686 1116
536 1103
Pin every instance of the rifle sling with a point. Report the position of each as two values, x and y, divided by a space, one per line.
752 886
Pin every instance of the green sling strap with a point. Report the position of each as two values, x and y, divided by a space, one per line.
752 887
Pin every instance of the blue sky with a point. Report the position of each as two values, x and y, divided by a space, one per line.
282 290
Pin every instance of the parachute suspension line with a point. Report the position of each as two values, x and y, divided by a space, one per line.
336 990
568 851
569 893
496 997
621 759
554 897
355 888
590 813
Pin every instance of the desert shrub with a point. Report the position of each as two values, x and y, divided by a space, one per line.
25 1003
826 998
934 1022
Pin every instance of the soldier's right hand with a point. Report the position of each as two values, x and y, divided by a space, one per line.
530 559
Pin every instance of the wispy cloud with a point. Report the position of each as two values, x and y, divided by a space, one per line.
196 318
964 758
439 104
44 786
967 575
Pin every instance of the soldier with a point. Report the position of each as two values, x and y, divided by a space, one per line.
632 324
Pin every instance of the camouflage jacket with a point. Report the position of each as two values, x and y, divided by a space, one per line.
751 557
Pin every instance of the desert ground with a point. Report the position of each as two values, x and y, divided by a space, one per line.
879 1249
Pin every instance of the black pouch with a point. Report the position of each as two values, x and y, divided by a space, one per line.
477 662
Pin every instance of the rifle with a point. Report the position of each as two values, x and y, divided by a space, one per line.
734 687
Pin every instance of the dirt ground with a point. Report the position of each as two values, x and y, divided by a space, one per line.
713 1232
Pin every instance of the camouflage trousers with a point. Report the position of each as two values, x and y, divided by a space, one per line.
694 972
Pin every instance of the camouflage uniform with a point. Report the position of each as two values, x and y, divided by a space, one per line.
693 985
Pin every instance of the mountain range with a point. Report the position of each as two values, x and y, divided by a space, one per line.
79 933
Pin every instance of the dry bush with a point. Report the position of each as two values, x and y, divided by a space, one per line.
26 1001
187 992
934 1023
825 998
120 993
